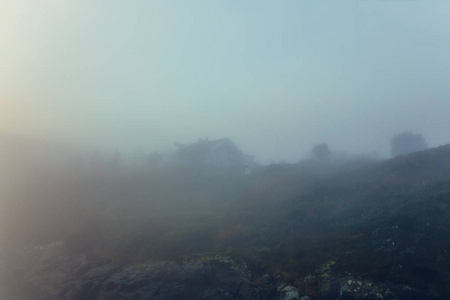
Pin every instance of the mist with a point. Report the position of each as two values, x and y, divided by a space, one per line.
275 78
278 149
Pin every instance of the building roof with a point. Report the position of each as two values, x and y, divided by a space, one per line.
204 150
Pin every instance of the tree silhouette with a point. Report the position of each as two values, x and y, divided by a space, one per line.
321 151
407 142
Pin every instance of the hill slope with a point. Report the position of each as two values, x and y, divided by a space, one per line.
311 223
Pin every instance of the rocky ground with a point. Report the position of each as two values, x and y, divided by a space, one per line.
374 230
51 270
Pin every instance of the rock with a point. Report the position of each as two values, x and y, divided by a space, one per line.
75 277
265 278
290 293
352 289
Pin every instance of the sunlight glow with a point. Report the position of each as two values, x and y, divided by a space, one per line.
13 116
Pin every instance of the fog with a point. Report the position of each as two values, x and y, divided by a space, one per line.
276 78
287 135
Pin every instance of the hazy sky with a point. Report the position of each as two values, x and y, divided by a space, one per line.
276 77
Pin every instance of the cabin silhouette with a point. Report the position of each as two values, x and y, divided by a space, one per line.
217 153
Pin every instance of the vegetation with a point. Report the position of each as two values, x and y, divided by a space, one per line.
386 220
321 151
407 142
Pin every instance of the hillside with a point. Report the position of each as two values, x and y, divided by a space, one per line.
310 225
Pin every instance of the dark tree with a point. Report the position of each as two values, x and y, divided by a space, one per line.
321 151
407 142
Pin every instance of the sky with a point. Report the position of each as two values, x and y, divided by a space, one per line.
276 77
